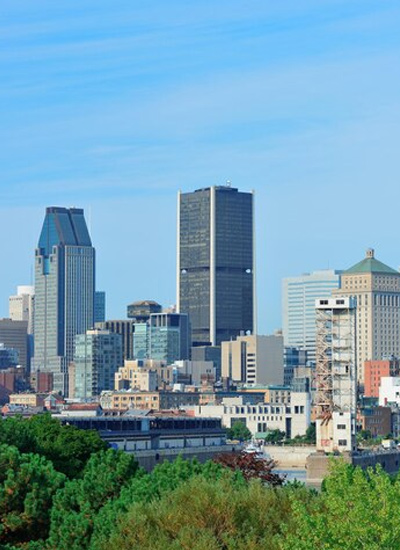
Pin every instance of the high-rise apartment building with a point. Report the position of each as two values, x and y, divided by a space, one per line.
64 286
216 263
376 290
98 355
298 307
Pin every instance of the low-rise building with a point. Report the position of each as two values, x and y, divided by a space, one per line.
291 416
374 371
377 420
389 390
156 400
27 399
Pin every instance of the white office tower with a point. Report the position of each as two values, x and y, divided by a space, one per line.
21 306
298 307
336 374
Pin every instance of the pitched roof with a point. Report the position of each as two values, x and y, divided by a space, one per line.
371 265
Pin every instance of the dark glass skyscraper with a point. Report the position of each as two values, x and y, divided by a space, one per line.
215 263
64 287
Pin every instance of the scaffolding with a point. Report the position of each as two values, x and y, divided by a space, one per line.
336 387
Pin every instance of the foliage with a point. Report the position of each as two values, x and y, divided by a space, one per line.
28 483
204 514
239 431
251 467
75 507
67 447
146 488
275 436
356 510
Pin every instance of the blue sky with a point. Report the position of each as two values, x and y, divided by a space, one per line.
116 106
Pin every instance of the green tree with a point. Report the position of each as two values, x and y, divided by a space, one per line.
75 507
205 514
66 446
28 483
239 431
275 436
311 434
146 488
355 510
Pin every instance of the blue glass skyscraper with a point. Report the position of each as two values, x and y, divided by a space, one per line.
64 287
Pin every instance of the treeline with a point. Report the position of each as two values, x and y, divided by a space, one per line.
62 489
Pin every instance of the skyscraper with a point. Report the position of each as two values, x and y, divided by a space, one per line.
216 263
376 290
64 287
298 307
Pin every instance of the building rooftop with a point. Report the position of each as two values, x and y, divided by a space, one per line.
371 265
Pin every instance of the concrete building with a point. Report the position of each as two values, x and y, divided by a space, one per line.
375 370
376 289
27 399
194 372
64 286
291 417
253 359
216 263
128 376
298 307
208 353
336 374
389 391
156 400
97 357
14 334
21 307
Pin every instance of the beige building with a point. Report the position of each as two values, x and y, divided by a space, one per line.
144 375
253 359
27 399
21 305
157 400
376 289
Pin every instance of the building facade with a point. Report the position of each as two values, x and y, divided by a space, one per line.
64 287
216 263
98 355
170 337
99 306
21 306
14 334
298 307
253 359
292 417
375 370
376 289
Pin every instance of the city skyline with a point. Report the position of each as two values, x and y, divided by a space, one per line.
114 111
